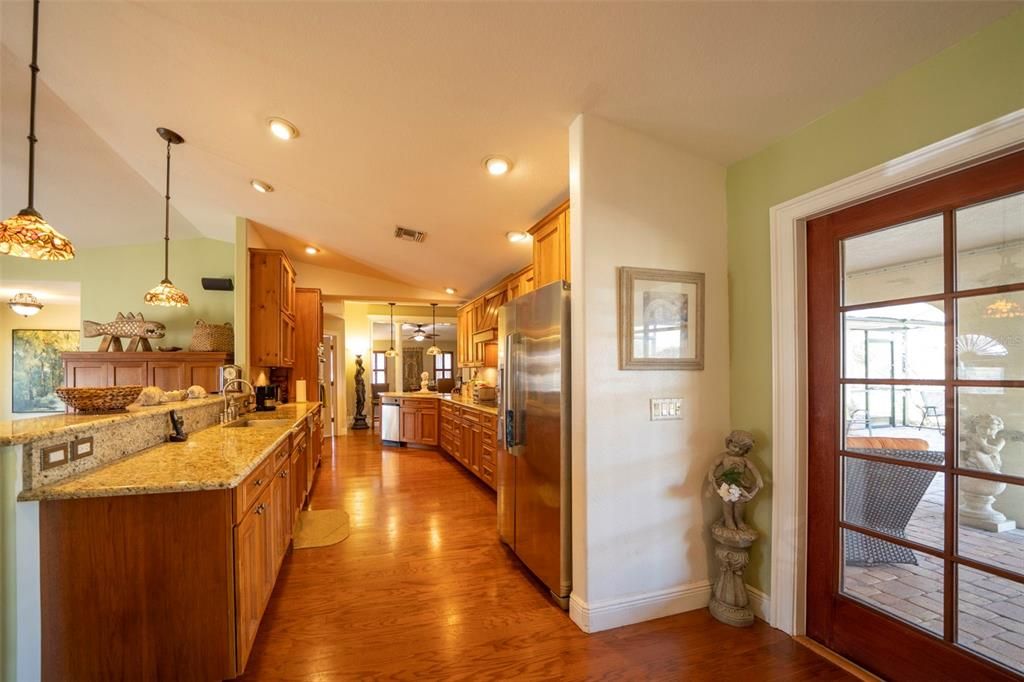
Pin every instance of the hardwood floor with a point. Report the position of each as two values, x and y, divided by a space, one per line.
422 589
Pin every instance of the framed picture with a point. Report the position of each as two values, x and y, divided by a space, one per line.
661 319
37 368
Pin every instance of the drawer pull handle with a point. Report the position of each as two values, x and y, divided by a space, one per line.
261 507
258 482
284 474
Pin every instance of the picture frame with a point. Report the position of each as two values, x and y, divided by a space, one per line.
37 368
661 319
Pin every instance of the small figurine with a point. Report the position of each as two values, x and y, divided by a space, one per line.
151 395
735 479
132 325
424 382
195 392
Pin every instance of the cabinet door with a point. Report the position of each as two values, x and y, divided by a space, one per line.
287 288
477 454
297 476
287 341
408 423
84 374
549 252
203 374
310 459
170 376
427 425
526 282
251 576
131 373
280 516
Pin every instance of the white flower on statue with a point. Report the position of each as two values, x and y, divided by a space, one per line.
729 493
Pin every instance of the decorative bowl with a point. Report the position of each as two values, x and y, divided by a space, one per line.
105 399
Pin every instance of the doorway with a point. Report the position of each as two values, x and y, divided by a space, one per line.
916 427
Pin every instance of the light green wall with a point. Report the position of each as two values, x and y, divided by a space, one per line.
114 279
975 81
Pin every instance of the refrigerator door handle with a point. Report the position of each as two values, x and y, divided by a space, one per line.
513 429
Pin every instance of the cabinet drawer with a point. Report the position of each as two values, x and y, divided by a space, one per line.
253 485
418 404
470 415
282 453
487 474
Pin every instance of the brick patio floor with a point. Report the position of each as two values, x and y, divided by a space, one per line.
991 609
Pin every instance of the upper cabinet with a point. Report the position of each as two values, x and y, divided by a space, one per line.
477 324
551 247
271 309
309 334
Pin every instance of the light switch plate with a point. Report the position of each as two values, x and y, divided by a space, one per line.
53 456
666 408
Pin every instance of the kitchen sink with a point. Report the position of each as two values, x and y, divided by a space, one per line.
245 421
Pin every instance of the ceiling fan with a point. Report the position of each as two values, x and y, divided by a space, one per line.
419 333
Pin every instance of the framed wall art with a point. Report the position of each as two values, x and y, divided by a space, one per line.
37 368
661 319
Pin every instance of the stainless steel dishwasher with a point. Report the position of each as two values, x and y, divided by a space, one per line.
390 426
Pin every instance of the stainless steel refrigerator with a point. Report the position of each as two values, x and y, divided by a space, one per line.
534 504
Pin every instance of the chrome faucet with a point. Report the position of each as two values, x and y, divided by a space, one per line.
230 412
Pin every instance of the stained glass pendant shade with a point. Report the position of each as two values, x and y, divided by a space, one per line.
165 293
28 235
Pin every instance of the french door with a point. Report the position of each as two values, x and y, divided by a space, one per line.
916 428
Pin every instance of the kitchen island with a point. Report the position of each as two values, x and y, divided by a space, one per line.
159 565
465 430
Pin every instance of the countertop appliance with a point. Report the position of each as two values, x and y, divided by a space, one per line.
390 427
267 398
534 504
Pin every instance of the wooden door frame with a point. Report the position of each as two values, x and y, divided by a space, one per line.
787 609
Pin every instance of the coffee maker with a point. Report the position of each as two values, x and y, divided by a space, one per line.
267 398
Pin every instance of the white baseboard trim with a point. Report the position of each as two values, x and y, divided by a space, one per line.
614 613
760 603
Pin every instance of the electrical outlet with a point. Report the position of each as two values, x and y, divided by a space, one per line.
53 456
666 408
81 448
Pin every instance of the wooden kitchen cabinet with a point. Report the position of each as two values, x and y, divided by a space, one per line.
470 436
418 423
551 247
271 309
169 371
297 476
252 537
309 335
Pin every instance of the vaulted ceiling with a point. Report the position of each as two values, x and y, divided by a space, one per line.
398 103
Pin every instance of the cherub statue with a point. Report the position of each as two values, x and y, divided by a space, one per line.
425 382
981 447
735 479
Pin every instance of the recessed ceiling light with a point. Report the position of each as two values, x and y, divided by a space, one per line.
261 187
283 129
497 165
312 250
449 291
516 236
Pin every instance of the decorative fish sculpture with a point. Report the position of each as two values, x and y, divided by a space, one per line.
132 325
124 326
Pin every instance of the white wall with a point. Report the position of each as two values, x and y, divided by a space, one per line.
640 544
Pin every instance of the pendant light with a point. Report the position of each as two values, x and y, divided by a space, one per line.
25 304
165 293
27 234
391 352
433 350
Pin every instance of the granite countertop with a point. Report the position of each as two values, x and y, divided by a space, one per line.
450 397
213 458
21 431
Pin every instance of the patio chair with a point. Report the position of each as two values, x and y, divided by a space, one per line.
883 497
933 406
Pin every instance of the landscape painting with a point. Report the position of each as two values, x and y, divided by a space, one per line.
37 368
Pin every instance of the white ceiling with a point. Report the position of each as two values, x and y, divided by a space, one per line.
398 103
49 293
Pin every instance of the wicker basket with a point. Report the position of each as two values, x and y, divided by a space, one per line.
212 337
108 399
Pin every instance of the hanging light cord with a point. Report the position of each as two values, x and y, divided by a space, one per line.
34 68
167 212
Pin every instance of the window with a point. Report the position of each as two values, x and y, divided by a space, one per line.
379 375
443 365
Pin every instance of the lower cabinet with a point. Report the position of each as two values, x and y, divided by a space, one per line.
204 564
417 420
470 436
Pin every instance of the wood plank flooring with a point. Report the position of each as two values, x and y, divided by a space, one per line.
422 589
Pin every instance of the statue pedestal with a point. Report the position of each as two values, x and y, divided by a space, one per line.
976 511
729 601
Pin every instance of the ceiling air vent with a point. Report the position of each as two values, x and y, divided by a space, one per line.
408 234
